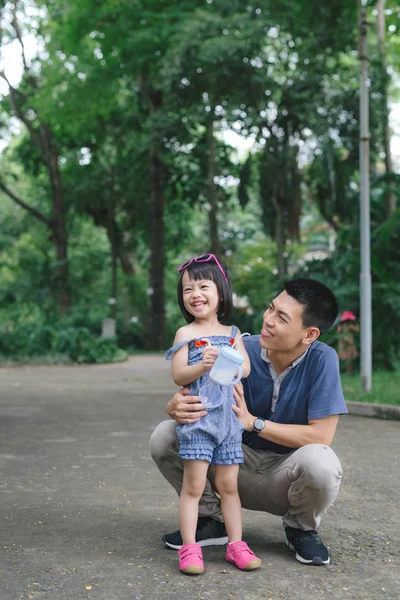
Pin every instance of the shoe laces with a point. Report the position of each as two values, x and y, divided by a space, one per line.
312 535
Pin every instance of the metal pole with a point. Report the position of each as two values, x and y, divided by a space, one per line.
365 241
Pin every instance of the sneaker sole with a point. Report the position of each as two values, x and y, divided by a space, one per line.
317 560
253 564
222 541
192 570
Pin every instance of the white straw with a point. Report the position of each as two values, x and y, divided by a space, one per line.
238 338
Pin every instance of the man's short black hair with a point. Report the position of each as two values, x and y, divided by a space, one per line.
208 270
320 304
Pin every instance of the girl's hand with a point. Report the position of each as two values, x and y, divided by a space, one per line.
210 355
241 410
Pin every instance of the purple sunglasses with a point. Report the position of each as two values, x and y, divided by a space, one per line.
200 259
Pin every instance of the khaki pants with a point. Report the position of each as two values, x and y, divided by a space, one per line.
299 486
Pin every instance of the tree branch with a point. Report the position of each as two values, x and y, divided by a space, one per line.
35 213
18 33
18 113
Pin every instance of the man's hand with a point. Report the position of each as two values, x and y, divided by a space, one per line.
240 410
184 408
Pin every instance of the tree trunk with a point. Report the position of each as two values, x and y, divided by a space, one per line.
212 194
390 196
157 316
60 234
101 218
279 237
293 200
157 170
111 230
124 259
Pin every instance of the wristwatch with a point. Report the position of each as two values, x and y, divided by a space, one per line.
258 425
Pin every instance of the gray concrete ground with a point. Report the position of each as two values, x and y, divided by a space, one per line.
83 507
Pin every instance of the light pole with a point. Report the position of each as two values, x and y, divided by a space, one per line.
365 241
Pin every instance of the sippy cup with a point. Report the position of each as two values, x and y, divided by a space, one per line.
223 372
210 395
226 365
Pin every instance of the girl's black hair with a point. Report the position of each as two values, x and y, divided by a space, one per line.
208 270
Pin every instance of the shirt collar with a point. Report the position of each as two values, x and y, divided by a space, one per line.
265 358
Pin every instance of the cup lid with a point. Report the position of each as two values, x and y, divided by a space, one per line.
232 354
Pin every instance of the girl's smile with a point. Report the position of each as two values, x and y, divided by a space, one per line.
200 297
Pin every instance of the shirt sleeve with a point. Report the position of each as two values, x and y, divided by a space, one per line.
326 394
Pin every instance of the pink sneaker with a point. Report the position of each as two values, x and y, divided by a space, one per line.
191 559
240 555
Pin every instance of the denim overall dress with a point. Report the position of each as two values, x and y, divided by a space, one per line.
217 437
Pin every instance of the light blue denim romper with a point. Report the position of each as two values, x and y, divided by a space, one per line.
217 437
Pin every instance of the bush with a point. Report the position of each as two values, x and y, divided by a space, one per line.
83 347
41 339
341 273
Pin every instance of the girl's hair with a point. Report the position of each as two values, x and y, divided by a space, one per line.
208 270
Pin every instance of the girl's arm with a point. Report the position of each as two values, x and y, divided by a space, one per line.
239 345
182 373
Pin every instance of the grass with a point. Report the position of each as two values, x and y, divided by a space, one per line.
385 388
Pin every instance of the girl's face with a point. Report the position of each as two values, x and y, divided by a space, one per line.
200 298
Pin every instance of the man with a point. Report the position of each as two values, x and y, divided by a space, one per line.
289 406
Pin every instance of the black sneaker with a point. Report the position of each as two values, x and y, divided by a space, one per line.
308 546
209 532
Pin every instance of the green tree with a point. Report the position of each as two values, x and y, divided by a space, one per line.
22 105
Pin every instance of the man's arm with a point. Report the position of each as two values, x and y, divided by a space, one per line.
184 408
317 431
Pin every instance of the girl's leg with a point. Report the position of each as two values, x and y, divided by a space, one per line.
194 480
226 477
237 552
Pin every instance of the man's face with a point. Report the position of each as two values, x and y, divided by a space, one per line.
283 325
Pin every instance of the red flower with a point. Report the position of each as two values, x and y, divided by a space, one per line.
232 341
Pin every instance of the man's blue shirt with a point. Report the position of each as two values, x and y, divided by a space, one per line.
311 389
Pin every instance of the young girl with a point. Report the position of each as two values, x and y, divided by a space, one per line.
205 299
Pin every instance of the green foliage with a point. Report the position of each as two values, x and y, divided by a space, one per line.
26 271
329 176
82 347
116 80
341 272
40 339
385 388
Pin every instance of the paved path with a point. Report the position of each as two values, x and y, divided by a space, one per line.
83 507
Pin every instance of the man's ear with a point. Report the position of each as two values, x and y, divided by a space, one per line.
312 333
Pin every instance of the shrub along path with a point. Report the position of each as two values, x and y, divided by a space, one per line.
83 507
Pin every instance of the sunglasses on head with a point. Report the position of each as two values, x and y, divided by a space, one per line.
200 259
